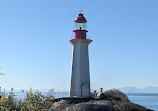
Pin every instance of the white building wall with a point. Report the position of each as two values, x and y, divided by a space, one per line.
80 76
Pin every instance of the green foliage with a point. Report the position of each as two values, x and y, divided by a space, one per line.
32 101
10 102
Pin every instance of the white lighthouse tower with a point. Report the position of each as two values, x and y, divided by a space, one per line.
80 75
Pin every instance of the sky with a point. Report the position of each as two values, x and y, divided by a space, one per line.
34 47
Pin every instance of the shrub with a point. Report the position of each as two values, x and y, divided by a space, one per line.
32 101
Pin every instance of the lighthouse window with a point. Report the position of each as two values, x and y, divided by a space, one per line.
80 26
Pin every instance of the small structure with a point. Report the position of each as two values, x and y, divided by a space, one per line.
101 89
80 76
98 95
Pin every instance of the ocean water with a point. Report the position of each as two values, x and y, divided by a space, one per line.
147 100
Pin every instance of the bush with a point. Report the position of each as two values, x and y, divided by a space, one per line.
32 101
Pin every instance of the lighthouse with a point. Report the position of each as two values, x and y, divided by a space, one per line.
80 74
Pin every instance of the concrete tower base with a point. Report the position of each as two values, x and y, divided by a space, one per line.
80 77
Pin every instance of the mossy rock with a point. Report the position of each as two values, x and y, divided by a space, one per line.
115 95
90 107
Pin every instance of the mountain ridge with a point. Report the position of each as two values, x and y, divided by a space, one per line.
149 89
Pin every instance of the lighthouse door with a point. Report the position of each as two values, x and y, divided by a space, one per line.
84 90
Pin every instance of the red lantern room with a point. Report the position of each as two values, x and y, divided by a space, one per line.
80 28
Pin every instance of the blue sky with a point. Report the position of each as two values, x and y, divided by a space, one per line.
34 47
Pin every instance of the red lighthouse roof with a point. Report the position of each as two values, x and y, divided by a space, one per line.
80 18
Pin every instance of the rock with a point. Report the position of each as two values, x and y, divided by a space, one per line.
101 102
59 106
112 100
82 105
89 107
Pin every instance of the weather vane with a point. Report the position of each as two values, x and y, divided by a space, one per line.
81 11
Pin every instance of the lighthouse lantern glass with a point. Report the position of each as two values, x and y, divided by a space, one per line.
80 26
